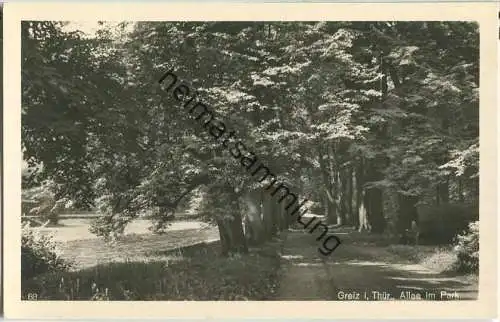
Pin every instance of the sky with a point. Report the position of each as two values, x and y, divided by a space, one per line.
88 27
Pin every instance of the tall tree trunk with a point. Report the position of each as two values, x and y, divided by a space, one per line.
460 190
285 217
269 218
442 193
383 80
331 206
355 198
341 197
407 212
254 230
374 209
231 234
364 223
348 198
338 198
360 197
278 217
224 234
328 187
374 202
239 244
324 199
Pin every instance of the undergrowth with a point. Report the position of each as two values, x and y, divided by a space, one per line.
199 273
39 253
461 257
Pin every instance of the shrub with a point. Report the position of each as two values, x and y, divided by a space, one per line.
467 248
437 258
39 253
440 224
442 260
42 201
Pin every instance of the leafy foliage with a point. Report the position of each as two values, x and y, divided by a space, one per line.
467 248
39 254
394 103
41 201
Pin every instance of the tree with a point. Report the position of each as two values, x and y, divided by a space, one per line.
377 116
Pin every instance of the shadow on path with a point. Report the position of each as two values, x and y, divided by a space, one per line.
361 272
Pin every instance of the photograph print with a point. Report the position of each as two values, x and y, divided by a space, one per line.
250 161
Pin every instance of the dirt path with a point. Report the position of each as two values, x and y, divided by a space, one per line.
358 272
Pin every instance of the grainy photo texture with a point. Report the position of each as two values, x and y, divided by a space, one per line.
323 160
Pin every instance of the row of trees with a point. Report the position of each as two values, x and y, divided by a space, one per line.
381 116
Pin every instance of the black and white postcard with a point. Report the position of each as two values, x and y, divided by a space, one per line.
229 160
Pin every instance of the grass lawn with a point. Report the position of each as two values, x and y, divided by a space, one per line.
182 264
85 250
78 228
133 247
196 272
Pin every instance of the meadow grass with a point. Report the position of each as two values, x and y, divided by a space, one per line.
196 272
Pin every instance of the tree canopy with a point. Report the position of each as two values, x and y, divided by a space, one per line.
379 113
